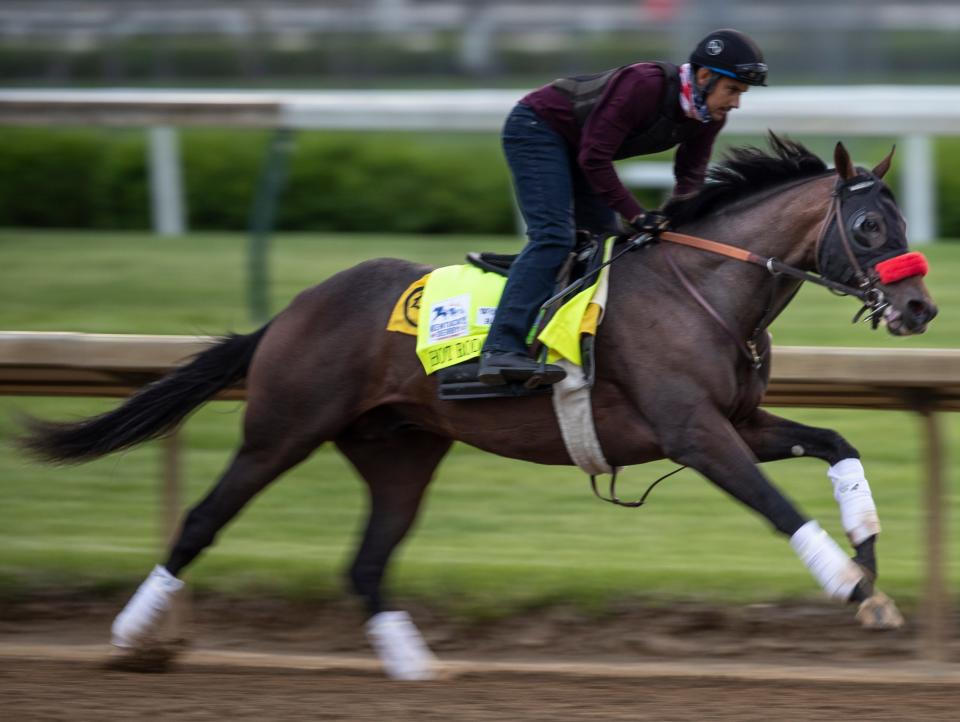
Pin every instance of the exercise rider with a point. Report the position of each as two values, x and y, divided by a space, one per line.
560 142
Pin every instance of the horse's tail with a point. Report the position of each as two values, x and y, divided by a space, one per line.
152 412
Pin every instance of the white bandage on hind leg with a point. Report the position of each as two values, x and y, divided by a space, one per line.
834 570
858 513
400 647
145 608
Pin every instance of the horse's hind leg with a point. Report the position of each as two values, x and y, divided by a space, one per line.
250 471
253 467
397 469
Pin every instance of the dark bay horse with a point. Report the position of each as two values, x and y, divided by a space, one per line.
672 381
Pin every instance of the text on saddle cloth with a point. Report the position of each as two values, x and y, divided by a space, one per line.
450 311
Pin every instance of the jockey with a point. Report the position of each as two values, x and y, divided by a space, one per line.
560 142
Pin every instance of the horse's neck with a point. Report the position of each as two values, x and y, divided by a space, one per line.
785 226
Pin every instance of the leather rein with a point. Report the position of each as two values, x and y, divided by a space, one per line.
872 297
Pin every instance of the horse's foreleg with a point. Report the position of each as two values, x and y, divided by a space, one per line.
773 438
397 469
708 443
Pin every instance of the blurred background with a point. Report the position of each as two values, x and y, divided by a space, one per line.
81 250
384 43
95 179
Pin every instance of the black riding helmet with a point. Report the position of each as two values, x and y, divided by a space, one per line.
731 53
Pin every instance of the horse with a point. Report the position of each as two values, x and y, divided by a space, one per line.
682 361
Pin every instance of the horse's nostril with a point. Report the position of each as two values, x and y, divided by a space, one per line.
921 311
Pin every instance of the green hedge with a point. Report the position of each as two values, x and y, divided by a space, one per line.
336 181
405 183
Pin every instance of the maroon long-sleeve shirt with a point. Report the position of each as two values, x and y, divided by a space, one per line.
630 102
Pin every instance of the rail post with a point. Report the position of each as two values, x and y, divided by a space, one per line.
935 618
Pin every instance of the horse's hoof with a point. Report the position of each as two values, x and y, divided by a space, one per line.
142 615
150 658
878 611
401 649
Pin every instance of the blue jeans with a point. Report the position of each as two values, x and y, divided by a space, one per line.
555 200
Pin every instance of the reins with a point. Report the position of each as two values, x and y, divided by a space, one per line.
749 346
866 291
773 265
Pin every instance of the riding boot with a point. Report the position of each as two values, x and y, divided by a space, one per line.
499 367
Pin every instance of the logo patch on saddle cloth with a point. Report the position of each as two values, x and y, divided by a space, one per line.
448 318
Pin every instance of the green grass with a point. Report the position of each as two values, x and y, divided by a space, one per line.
496 534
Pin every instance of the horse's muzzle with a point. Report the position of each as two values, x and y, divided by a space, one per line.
909 318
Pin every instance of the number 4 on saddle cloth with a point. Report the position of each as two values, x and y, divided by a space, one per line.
450 310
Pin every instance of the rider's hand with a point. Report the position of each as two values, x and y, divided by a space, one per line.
651 222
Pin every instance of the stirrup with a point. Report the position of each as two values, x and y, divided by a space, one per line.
543 377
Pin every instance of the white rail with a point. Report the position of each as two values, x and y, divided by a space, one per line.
912 113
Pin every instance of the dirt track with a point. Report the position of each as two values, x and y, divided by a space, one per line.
689 662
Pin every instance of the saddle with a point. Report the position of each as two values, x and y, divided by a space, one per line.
459 382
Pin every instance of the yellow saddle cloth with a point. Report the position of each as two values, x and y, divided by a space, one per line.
450 310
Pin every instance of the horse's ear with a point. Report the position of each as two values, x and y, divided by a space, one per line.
883 166
841 159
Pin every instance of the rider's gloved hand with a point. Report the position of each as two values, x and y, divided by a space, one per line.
651 222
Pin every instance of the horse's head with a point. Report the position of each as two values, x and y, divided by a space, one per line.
863 244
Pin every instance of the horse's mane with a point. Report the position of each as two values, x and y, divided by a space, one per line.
743 171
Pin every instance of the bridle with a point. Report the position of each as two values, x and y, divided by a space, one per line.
865 287
873 298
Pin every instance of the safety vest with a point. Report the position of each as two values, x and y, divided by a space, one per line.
665 131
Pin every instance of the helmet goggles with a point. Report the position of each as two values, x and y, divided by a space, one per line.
749 73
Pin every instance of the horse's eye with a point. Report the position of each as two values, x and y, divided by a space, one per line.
869 230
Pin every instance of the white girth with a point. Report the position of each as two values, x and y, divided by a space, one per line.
571 403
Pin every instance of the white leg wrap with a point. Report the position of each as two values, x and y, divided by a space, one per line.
400 647
834 570
858 513
145 608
